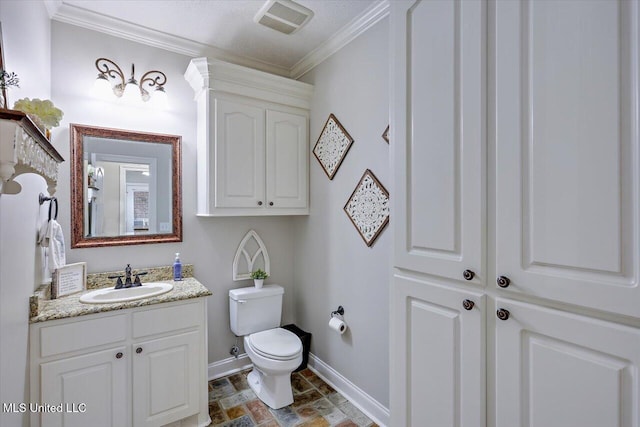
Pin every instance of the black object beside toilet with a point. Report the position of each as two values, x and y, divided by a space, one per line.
305 337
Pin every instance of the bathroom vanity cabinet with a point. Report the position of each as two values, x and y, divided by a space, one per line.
516 290
253 141
136 367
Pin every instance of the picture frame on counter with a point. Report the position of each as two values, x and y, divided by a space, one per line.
69 279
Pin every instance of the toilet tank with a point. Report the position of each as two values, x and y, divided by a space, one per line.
254 310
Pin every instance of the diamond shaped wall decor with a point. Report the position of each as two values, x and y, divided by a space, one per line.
368 207
332 146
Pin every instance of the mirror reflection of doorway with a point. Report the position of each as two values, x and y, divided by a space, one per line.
137 203
137 209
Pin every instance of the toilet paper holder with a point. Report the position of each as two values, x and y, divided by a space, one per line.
339 311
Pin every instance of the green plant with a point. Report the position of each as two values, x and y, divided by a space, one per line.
259 274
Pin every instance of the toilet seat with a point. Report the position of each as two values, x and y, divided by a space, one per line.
276 344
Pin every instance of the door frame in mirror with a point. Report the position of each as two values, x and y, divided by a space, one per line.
78 239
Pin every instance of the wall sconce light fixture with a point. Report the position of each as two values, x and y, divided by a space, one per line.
127 89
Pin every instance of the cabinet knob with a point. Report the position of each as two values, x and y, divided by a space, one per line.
119 355
139 350
468 274
270 203
260 203
468 304
503 281
502 313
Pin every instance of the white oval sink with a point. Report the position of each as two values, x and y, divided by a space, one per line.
110 295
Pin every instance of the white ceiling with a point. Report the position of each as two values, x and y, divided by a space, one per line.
225 28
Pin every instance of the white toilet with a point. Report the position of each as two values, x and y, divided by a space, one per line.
275 352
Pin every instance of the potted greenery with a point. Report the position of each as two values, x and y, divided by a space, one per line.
258 277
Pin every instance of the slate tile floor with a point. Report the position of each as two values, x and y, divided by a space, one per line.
233 404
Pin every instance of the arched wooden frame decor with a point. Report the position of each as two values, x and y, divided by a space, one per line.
250 259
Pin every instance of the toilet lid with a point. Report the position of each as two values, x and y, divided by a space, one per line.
276 343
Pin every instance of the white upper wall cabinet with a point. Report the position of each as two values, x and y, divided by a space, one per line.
567 198
253 141
239 158
286 159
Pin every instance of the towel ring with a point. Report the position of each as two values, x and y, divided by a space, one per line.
54 200
42 198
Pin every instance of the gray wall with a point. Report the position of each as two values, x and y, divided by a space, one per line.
321 260
208 243
333 266
27 53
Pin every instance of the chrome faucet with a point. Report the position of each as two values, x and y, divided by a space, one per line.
127 281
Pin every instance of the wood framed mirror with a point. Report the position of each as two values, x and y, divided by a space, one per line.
125 187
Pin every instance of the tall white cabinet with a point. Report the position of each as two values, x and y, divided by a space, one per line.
515 298
253 141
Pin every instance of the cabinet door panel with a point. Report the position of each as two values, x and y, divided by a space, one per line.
557 369
286 145
98 380
437 355
438 134
567 151
166 379
239 154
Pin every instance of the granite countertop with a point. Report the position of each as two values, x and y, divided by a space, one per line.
42 308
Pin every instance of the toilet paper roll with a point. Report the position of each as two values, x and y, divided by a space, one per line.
337 325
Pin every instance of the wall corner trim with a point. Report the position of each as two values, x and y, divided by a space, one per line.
367 404
69 14
228 366
352 30
74 15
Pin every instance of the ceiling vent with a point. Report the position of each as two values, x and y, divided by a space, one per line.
285 16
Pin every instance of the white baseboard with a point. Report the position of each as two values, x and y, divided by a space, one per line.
367 404
228 366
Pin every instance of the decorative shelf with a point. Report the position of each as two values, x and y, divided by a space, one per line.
24 149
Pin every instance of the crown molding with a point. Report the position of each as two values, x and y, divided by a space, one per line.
353 29
74 15
220 76
69 14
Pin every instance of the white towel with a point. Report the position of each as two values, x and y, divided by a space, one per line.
51 237
43 235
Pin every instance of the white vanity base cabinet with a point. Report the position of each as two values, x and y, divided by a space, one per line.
136 367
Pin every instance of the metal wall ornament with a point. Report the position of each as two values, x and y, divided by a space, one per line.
385 134
332 146
368 207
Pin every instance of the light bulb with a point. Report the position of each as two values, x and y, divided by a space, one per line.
101 88
131 93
